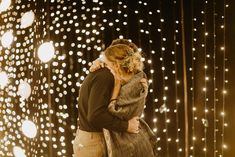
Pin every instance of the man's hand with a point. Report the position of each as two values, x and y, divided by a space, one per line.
133 125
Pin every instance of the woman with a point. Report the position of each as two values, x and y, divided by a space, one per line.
128 99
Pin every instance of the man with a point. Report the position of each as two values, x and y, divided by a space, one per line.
94 98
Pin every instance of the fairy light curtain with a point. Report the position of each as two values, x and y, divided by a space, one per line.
38 96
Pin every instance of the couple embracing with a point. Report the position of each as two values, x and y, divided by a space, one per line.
111 101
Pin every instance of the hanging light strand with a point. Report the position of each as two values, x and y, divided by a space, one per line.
214 79
192 80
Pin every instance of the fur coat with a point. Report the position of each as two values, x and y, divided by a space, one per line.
130 103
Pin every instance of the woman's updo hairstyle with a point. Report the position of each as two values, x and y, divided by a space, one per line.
125 42
126 54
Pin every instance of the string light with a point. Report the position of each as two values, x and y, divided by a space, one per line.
4 79
18 152
29 129
24 90
7 39
46 51
27 19
4 5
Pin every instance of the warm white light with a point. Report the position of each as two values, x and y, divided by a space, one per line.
222 113
29 129
24 89
7 39
178 101
46 51
155 120
18 152
3 79
27 19
4 5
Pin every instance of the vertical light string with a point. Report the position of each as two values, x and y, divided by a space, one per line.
176 81
117 20
125 18
150 62
50 111
162 59
139 25
121 20
111 20
8 112
224 76
214 80
204 45
192 80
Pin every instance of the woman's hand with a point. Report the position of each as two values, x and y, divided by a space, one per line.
144 83
133 125
96 64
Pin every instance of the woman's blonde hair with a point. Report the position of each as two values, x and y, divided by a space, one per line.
124 55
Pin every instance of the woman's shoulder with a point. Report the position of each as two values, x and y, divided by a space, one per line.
140 75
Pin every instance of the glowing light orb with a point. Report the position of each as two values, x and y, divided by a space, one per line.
3 79
27 19
18 152
4 5
29 129
46 51
7 39
24 89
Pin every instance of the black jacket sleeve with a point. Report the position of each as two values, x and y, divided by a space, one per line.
99 98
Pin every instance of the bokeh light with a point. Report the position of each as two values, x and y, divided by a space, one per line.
18 152
24 89
27 19
3 79
29 129
4 5
46 51
7 39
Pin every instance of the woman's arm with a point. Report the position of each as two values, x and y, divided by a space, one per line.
97 64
